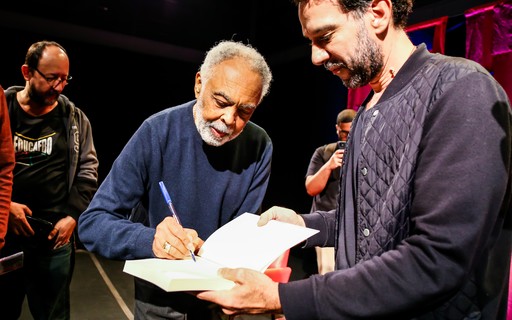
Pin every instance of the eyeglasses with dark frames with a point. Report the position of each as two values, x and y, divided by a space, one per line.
54 81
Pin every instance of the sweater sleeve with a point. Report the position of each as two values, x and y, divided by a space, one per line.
456 215
105 227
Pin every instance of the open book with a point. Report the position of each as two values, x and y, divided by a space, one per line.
240 243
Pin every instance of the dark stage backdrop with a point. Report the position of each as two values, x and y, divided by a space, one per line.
118 89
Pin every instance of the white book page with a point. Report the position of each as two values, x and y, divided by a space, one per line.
242 244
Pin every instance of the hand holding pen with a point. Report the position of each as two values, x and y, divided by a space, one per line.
166 245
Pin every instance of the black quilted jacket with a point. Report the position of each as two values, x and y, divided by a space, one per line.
431 237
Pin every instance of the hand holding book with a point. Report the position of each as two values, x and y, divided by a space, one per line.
240 243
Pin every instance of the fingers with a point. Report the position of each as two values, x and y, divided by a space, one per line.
63 231
53 233
273 213
222 297
198 243
19 225
253 292
266 216
336 159
241 276
169 249
281 214
60 236
61 239
235 275
172 241
195 243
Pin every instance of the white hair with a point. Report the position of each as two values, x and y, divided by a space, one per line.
225 50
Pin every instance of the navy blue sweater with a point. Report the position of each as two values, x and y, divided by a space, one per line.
209 185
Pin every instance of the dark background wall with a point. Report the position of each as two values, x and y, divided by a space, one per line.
119 89
120 85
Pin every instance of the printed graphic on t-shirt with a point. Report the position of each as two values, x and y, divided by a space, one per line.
30 151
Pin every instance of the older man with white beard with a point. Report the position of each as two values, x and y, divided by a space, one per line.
213 160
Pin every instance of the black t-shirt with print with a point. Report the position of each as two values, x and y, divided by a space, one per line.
40 175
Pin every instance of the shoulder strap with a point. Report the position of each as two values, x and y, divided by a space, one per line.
10 109
328 151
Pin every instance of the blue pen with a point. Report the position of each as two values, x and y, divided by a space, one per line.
167 198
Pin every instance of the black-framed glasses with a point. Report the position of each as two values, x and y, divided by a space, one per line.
54 81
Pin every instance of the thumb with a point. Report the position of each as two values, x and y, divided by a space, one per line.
229 273
268 215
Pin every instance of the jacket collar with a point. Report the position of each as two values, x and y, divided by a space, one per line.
406 73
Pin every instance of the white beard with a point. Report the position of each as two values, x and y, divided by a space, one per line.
204 127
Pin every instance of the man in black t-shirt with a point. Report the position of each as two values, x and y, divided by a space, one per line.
55 177
323 180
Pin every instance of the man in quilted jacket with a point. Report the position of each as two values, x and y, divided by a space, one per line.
422 226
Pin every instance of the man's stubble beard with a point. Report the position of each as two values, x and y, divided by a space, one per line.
367 62
41 98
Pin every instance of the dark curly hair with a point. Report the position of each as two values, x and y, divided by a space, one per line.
401 9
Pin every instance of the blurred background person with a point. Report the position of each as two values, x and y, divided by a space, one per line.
323 180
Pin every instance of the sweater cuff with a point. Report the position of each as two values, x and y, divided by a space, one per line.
143 245
315 221
297 298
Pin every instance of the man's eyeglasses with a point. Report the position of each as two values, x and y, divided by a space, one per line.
54 81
